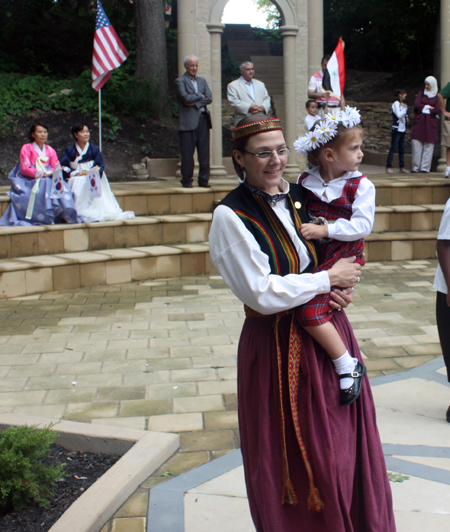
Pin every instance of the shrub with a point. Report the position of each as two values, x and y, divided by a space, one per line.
24 479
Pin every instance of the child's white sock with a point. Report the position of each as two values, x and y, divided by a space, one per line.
345 364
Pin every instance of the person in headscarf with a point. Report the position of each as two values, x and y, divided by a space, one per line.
424 133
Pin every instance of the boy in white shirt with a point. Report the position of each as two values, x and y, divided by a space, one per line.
442 284
312 108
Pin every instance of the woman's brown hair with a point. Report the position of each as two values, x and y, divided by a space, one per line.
241 144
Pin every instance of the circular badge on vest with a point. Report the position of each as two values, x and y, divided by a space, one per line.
297 205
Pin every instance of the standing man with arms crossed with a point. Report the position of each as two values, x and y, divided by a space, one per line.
194 122
247 95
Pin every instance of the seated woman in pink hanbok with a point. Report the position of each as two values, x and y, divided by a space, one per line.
32 201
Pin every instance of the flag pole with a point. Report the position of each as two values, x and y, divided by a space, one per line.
100 119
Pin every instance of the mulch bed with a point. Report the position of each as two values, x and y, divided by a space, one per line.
82 470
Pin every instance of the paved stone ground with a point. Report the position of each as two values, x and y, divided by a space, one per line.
161 355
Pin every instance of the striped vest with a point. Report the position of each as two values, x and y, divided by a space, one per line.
271 235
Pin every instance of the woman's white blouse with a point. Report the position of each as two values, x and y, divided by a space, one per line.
363 209
246 270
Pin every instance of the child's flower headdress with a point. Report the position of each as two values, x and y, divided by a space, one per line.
326 129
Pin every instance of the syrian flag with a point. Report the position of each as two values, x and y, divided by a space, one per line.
334 75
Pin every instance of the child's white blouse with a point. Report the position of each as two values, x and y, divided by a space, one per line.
363 209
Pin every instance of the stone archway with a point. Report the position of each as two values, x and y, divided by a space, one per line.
199 33
285 8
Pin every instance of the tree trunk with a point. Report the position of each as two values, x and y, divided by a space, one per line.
151 55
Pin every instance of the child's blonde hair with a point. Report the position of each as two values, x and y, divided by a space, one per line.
342 134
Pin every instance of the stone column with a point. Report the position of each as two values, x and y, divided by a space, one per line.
315 35
289 34
445 64
215 31
187 31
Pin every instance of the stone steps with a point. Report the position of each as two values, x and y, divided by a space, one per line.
241 50
26 276
401 245
168 238
168 229
171 229
145 199
269 70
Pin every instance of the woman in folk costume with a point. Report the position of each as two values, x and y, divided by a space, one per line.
32 199
310 465
94 203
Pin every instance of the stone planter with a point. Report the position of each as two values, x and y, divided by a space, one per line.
143 452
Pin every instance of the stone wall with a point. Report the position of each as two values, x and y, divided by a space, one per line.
376 120
377 123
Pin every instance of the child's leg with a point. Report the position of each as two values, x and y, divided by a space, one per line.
392 150
328 337
401 150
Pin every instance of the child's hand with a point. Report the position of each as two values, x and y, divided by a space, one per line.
313 231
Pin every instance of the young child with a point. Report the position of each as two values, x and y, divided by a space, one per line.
341 204
399 123
312 108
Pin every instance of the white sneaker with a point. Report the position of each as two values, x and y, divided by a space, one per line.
447 172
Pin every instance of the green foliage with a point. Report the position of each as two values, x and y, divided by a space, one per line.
123 93
230 70
270 35
48 34
273 16
397 477
24 479
382 34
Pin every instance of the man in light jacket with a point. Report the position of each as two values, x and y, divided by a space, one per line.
247 95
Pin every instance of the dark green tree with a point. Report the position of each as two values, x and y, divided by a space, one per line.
273 16
384 35
151 54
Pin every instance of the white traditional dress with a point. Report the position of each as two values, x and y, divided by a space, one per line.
74 162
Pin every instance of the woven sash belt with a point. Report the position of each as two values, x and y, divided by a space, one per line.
295 347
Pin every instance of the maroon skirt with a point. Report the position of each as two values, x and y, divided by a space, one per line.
342 442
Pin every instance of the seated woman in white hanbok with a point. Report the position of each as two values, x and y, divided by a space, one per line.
33 200
93 204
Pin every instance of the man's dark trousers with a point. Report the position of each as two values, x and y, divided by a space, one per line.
189 140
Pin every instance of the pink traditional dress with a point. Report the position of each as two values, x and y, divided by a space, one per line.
31 191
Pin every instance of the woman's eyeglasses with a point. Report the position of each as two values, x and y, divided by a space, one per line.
284 152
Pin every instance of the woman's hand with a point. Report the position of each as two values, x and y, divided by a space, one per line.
341 298
345 273
313 231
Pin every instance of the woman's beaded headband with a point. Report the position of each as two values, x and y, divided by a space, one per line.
326 129
247 130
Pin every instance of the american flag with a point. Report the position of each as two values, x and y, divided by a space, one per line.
109 52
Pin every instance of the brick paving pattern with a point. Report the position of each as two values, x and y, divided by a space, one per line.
161 355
